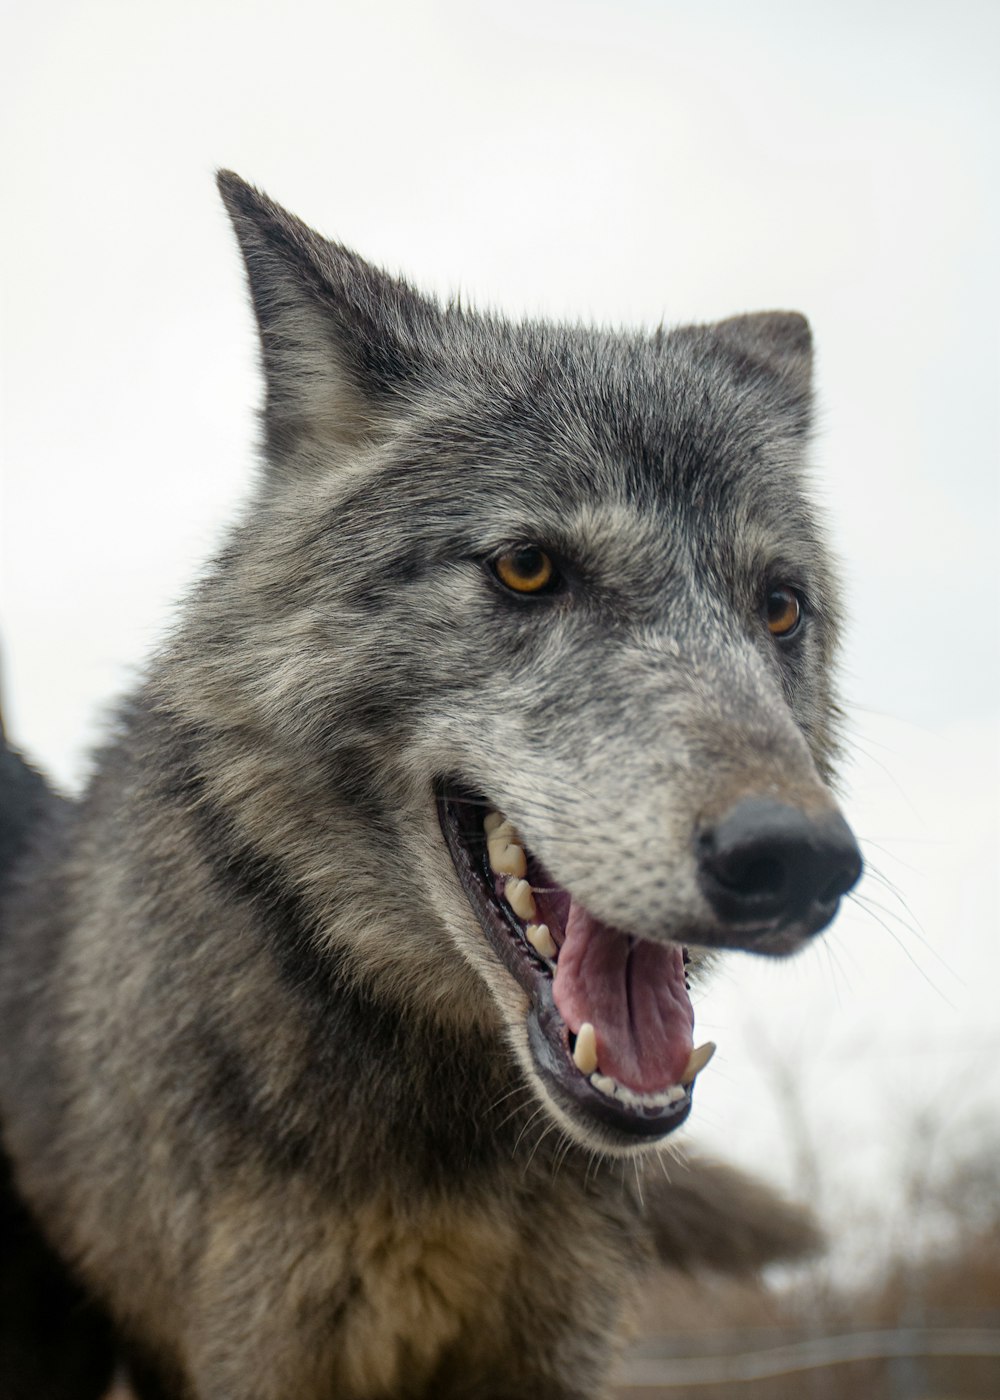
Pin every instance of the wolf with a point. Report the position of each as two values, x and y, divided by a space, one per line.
345 1020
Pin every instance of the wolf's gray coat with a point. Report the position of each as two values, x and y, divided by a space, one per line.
264 1081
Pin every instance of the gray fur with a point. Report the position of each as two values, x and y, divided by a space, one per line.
263 1079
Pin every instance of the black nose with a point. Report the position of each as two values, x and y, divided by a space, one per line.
766 866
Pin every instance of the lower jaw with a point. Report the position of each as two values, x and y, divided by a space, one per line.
594 1114
616 1124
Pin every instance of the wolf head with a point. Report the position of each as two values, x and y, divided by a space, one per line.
527 643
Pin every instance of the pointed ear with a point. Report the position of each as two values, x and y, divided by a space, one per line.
344 345
781 340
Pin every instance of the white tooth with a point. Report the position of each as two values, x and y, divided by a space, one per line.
500 830
585 1050
518 895
699 1059
630 1097
541 940
506 857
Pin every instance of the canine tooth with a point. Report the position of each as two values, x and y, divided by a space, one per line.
699 1059
500 830
506 857
541 940
604 1084
585 1049
518 895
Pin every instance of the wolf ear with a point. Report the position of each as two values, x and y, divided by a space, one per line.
781 340
344 345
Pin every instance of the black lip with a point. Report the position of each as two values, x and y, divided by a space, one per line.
460 815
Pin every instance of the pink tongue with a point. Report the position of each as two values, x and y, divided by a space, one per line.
633 994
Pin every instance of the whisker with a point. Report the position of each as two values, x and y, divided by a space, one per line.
526 1098
916 927
550 1127
538 1111
562 1152
638 1183
866 906
593 1162
860 745
911 926
886 850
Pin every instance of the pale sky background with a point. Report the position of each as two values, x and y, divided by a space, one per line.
622 162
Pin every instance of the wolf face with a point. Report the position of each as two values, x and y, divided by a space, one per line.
579 621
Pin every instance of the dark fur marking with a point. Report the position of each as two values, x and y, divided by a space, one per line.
437 1095
55 1343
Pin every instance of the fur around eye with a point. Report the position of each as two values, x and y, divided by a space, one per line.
782 611
526 569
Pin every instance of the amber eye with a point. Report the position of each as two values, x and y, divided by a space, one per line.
525 569
783 611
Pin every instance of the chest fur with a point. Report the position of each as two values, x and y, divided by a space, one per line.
392 1297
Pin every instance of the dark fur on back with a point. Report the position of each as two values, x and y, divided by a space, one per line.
55 1343
263 1081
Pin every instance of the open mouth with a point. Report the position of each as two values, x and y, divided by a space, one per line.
610 1022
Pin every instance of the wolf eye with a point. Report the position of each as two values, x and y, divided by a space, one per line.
783 611
525 569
